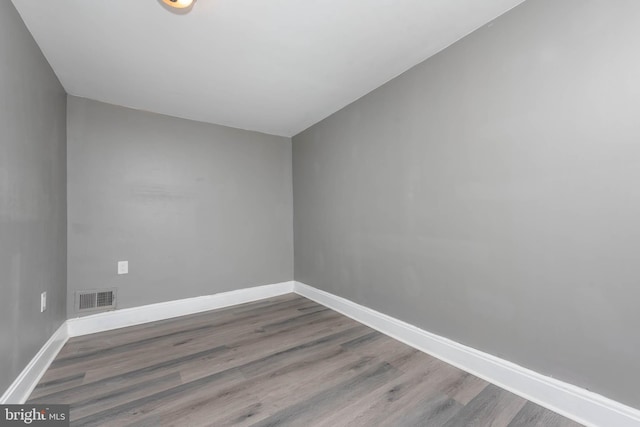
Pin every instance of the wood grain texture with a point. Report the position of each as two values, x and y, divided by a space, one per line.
284 361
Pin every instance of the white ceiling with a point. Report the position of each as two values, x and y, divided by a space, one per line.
274 66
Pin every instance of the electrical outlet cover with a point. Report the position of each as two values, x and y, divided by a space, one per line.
123 267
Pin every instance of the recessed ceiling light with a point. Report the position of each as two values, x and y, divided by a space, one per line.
178 4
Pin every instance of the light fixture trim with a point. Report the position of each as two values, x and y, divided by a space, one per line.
178 4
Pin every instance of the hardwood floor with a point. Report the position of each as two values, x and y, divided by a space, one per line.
281 361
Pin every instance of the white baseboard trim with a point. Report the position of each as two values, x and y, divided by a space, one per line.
581 405
20 390
23 386
166 310
573 402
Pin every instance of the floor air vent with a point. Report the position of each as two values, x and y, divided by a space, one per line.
95 300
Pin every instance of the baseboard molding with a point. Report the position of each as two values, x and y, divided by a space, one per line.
573 402
20 390
166 310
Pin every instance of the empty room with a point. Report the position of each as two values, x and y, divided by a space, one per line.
320 213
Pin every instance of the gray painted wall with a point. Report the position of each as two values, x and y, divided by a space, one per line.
32 197
492 194
195 208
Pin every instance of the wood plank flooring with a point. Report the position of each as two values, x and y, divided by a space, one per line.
284 361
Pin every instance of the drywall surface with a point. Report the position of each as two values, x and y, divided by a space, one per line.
32 197
491 194
195 208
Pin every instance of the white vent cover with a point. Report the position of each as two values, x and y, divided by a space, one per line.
92 300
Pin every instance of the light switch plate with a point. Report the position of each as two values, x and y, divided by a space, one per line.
43 302
123 267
